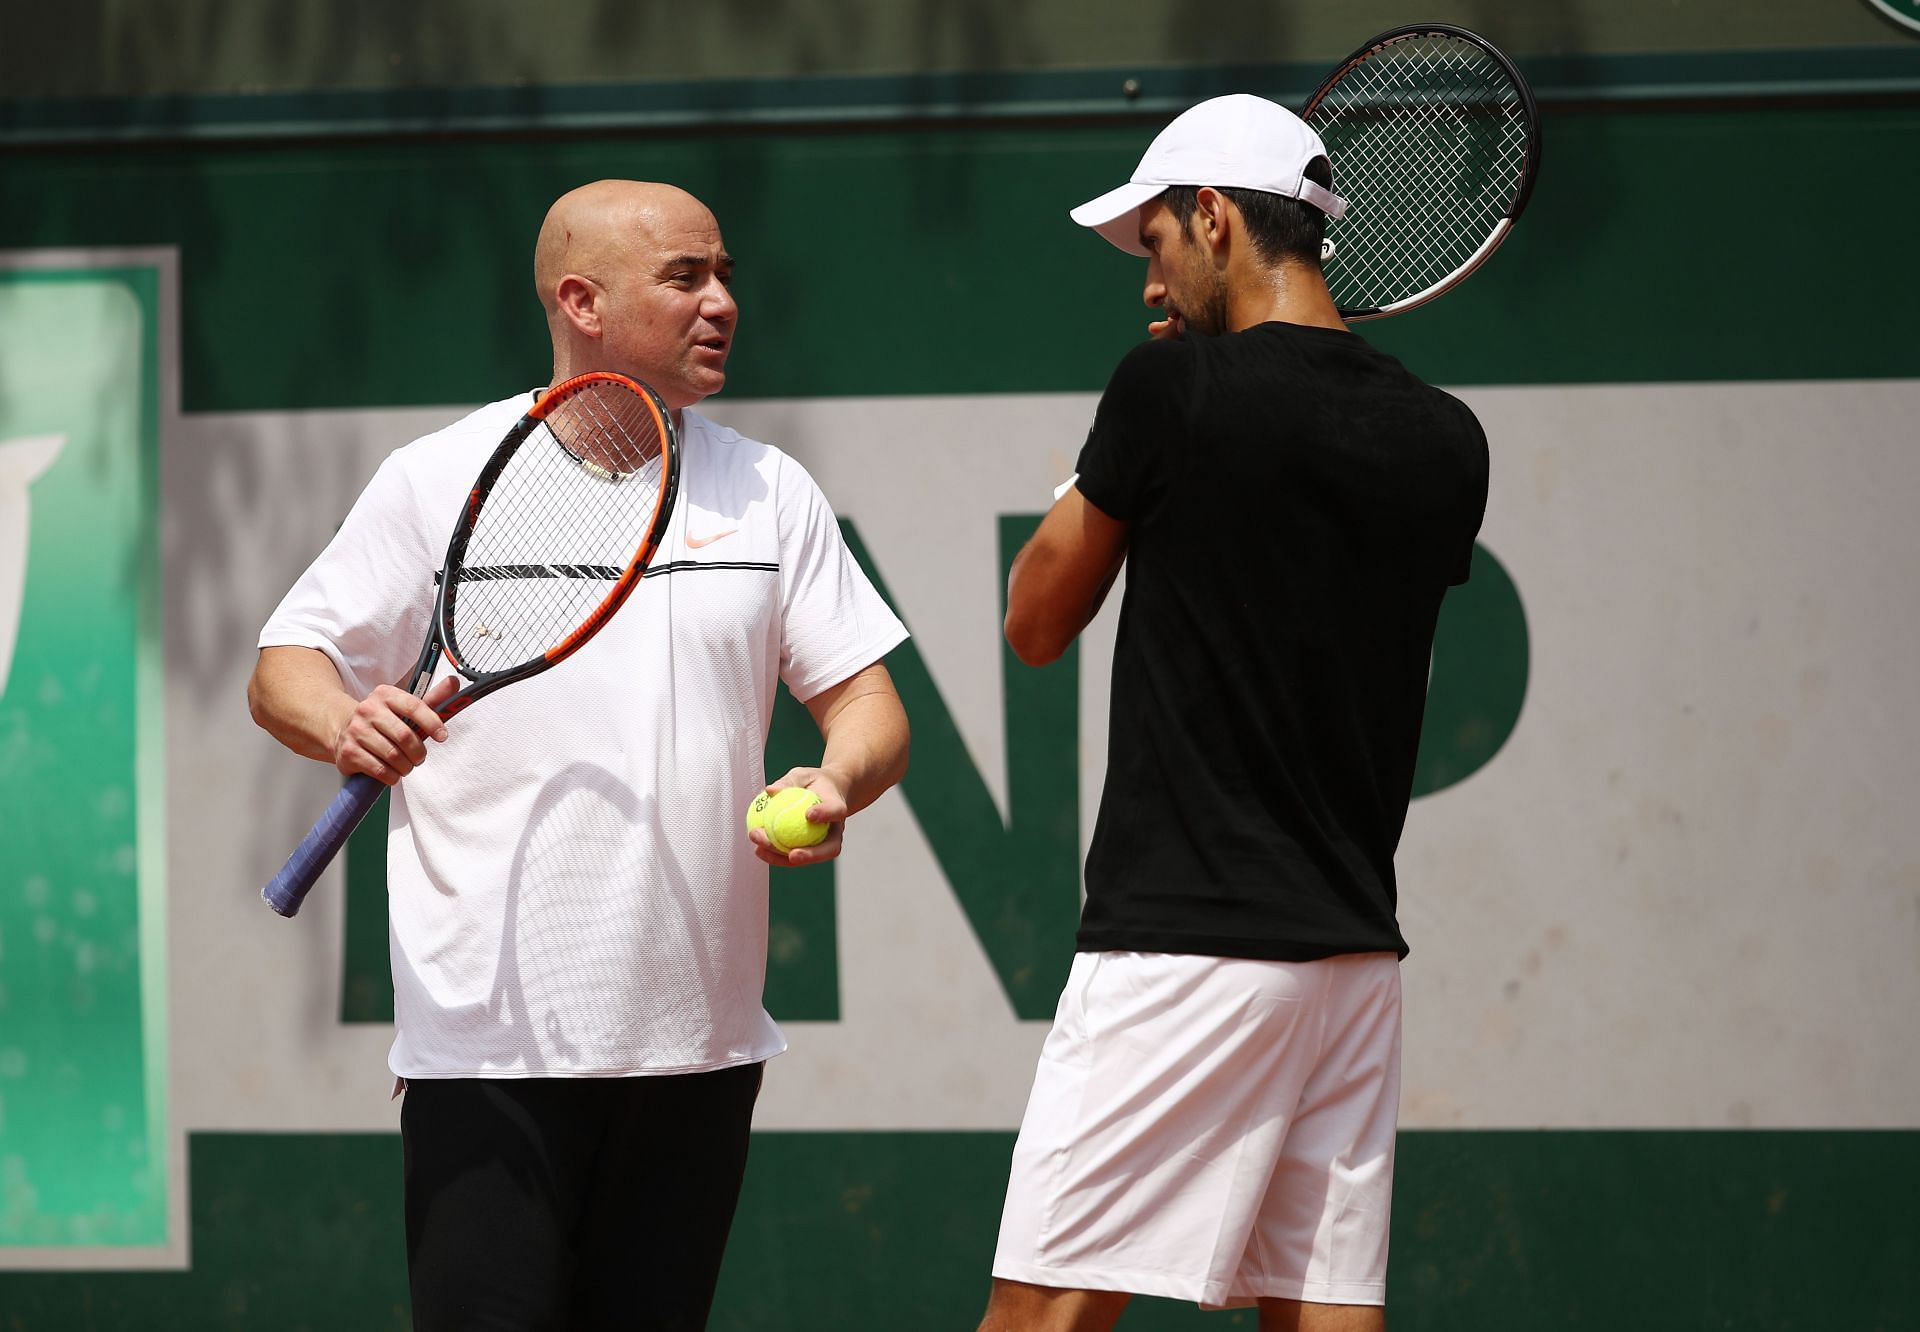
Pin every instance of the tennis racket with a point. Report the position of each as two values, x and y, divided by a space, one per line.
556 534
1435 142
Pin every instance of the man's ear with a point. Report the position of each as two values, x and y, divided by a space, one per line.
579 302
1212 217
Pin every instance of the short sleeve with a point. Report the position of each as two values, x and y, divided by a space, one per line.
833 622
367 600
1122 465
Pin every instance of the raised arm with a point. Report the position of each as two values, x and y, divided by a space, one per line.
1061 576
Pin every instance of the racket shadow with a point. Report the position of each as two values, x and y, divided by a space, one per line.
563 983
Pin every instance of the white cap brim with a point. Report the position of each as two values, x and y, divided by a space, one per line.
1115 214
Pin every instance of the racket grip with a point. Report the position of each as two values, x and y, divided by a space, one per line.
289 888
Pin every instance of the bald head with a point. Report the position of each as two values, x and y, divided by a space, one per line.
595 230
635 279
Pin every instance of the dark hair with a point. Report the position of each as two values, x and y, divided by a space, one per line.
1280 228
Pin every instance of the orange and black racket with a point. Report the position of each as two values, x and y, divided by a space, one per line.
556 534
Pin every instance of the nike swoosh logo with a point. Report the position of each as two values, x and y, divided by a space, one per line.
694 542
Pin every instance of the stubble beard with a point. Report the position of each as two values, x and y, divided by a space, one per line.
1209 314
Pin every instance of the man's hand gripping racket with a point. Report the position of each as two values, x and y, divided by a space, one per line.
556 534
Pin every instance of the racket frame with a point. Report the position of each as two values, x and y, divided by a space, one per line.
482 683
1530 157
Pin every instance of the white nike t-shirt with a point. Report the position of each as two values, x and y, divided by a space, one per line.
571 889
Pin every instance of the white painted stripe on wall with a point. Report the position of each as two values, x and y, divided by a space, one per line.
1686 893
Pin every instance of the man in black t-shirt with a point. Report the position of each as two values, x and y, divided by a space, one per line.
1214 1113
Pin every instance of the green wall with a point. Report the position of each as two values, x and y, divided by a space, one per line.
1670 1232
1659 246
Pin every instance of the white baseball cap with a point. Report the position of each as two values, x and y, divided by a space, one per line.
1238 142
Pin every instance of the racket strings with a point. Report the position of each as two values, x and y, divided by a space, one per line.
1429 140
611 432
557 530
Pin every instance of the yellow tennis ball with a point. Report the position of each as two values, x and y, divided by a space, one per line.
783 814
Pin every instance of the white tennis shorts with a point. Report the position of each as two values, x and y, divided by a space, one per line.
1211 1129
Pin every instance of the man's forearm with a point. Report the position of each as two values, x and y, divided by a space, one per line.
866 735
296 696
867 752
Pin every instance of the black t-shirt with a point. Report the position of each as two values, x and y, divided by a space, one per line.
1298 503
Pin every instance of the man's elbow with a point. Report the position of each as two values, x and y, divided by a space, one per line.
275 678
1033 641
901 754
257 701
